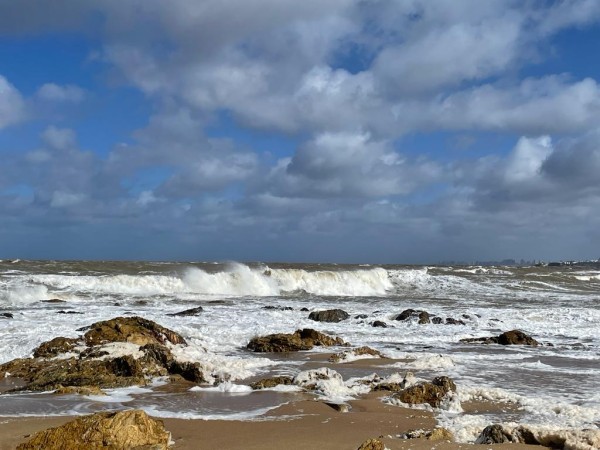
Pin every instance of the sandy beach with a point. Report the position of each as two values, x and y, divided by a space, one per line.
312 425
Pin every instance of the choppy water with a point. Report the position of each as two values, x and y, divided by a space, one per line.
554 385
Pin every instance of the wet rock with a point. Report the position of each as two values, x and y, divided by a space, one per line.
405 315
304 339
79 390
424 318
452 321
278 308
493 434
339 407
437 320
437 434
361 316
524 436
132 429
394 386
135 329
304 309
360 351
6 315
84 365
188 312
330 315
379 324
55 346
516 337
372 444
53 300
271 382
513 337
432 393
68 312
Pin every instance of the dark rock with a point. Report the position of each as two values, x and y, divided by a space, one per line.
330 315
361 316
54 300
513 337
131 429
278 308
188 370
437 320
68 312
445 383
304 339
55 346
304 309
188 312
516 337
6 315
141 302
452 321
379 323
131 329
271 382
405 315
524 436
424 318
493 434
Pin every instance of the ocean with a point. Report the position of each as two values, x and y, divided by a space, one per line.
553 386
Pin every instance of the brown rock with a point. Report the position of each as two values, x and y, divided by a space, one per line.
493 434
131 329
81 390
55 346
424 318
432 393
440 434
304 339
360 351
132 429
372 444
513 337
271 382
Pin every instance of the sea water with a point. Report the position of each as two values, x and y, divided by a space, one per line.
555 385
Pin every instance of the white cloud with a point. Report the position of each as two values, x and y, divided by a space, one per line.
61 199
12 104
55 93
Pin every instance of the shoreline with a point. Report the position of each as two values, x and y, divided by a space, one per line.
313 425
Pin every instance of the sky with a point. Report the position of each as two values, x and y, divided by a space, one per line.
375 131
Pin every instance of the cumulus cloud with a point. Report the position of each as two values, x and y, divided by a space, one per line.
12 104
55 93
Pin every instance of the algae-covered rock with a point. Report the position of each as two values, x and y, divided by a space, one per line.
304 339
372 444
136 330
122 430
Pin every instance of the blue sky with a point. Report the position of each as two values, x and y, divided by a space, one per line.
354 131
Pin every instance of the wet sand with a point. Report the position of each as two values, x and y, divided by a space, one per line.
302 425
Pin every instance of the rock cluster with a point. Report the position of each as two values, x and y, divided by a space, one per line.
423 317
132 429
513 337
123 351
304 339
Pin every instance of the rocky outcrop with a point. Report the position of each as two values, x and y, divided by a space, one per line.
271 382
360 351
513 337
132 429
136 330
379 324
330 315
55 346
432 393
304 339
188 312
372 444
91 363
